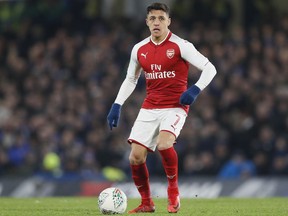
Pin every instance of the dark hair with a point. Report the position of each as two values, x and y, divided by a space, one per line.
158 6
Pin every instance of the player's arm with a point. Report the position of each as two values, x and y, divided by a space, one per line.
125 90
129 83
194 57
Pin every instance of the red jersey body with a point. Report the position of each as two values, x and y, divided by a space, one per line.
165 67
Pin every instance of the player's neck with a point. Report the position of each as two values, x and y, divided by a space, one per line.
159 40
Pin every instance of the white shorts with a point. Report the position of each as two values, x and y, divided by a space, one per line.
150 122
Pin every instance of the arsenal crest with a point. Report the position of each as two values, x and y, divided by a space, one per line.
170 53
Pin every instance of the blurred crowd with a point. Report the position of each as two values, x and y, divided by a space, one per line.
61 66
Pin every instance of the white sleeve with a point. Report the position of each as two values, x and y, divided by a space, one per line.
131 79
194 57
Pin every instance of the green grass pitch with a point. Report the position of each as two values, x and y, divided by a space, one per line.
81 206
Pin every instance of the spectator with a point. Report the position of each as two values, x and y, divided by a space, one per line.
237 168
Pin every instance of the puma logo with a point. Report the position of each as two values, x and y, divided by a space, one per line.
174 128
139 186
171 176
144 55
176 122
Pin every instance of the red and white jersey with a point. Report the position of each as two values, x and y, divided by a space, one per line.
165 67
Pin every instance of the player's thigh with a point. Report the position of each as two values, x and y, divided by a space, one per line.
173 121
165 140
145 129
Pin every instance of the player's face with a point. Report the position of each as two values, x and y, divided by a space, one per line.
158 22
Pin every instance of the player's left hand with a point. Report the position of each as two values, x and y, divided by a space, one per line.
190 95
114 115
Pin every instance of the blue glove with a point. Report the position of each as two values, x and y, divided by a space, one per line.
114 115
190 95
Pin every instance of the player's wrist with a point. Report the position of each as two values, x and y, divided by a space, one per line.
116 106
194 90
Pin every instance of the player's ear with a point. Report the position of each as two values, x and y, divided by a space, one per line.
146 21
169 21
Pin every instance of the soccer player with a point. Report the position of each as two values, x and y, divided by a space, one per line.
164 59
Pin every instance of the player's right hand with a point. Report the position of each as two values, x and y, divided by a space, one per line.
114 115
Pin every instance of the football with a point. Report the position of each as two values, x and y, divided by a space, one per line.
112 201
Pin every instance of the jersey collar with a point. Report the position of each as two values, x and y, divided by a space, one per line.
166 38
